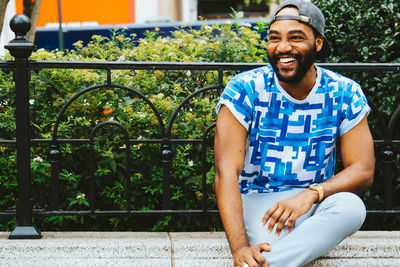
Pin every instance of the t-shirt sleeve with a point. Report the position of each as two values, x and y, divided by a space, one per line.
236 97
355 107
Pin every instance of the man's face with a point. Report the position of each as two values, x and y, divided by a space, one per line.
292 47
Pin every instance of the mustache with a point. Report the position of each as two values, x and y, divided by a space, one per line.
277 56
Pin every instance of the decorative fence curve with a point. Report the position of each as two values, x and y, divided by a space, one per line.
387 146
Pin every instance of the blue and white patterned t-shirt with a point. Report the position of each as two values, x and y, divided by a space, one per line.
291 143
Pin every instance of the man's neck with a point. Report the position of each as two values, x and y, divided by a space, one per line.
301 90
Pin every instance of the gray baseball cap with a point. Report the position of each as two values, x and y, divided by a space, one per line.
310 15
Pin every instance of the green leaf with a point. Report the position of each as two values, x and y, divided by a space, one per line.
113 165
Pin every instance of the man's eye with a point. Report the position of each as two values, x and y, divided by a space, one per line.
296 37
273 38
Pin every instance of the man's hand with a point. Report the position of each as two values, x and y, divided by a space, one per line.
251 256
289 210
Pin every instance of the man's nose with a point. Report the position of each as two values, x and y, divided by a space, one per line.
284 46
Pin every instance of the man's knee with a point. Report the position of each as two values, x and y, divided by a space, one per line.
350 207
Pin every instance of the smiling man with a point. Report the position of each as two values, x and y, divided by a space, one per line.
279 198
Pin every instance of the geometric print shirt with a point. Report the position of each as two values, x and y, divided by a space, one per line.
291 143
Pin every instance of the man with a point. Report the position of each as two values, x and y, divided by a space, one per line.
280 201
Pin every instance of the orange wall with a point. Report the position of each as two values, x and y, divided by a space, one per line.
102 11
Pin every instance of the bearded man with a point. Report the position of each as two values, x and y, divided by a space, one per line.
279 199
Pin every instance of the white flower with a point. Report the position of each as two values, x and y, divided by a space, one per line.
228 22
160 95
139 137
188 73
171 53
111 119
38 159
190 163
247 24
203 42
81 196
208 28
31 101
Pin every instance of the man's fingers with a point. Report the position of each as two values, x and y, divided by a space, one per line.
257 253
251 261
268 214
264 247
252 256
290 223
259 258
281 222
274 219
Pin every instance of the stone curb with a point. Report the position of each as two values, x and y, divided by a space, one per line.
365 248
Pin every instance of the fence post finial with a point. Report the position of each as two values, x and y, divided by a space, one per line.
20 46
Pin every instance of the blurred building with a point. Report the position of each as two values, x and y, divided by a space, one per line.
77 13
81 19
111 12
220 9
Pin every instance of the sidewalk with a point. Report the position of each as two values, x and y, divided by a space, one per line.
365 248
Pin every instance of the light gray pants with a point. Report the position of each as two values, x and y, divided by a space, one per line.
314 233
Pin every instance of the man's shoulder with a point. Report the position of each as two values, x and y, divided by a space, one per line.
332 76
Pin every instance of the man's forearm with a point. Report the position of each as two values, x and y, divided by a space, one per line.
354 178
231 212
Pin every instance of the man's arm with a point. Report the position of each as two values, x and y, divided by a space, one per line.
357 150
229 153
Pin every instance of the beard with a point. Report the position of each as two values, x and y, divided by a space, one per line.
303 65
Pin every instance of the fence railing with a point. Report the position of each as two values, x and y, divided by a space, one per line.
387 147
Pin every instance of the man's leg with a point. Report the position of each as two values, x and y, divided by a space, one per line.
254 208
315 233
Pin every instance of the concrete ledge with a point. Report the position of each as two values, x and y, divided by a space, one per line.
365 248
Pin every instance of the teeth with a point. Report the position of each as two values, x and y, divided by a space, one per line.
287 59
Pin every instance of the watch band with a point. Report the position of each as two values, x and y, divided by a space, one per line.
319 189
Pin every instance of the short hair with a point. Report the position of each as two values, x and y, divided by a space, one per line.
316 33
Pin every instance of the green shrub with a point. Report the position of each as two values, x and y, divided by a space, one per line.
51 88
369 31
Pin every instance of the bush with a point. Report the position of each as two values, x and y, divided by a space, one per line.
369 31
51 88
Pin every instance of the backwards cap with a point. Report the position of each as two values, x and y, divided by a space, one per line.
310 15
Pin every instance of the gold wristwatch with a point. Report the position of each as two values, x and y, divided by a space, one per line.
318 188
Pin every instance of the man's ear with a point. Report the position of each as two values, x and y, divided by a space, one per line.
319 42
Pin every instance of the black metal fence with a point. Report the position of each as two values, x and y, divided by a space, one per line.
387 147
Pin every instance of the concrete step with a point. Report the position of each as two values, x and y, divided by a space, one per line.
365 248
